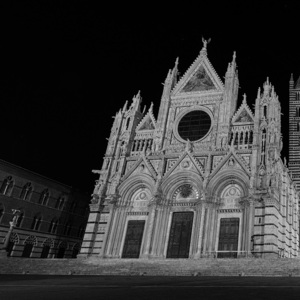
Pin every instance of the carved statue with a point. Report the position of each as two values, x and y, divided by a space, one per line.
188 146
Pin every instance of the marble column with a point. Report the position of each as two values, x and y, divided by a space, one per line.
150 231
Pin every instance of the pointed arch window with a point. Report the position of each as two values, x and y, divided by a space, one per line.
26 191
44 197
28 246
60 203
265 111
67 228
20 219
36 222
7 186
53 226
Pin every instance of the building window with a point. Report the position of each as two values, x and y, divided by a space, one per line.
26 191
44 197
47 245
7 186
61 250
67 228
60 203
28 246
53 226
20 219
35 225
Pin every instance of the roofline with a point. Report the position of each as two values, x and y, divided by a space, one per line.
34 173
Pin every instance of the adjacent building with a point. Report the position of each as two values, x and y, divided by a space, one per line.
294 130
202 179
50 217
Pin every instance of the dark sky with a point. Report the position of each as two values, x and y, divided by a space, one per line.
68 66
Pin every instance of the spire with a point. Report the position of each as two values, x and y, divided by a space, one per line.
267 87
125 106
233 64
136 101
292 78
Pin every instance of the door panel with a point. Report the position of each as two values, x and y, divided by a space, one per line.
228 237
180 235
133 239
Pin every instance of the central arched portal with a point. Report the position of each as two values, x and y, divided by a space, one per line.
180 235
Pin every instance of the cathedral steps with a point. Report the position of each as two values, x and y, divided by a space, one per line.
176 267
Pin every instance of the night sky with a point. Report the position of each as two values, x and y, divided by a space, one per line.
68 66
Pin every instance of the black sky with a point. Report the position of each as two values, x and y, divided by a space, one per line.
68 66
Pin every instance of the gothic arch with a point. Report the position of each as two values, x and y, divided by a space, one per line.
176 180
133 184
31 240
48 242
14 238
217 184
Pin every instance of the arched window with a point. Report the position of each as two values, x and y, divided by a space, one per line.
67 228
7 186
14 240
265 111
60 203
44 197
1 211
61 249
26 191
53 226
20 219
36 222
47 245
28 246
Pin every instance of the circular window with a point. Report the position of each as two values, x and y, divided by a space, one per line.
194 125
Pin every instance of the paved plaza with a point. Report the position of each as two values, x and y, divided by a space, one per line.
122 287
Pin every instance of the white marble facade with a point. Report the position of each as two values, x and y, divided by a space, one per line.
203 179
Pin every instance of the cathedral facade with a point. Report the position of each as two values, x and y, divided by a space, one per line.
203 179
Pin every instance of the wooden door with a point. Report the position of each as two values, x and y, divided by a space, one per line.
180 235
228 237
133 239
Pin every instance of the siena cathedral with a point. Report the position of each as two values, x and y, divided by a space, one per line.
202 179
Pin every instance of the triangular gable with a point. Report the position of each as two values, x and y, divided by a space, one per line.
200 77
148 122
231 161
243 114
142 166
186 162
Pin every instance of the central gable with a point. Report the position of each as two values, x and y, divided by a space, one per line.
200 81
200 77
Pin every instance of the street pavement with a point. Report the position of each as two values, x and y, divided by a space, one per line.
44 287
